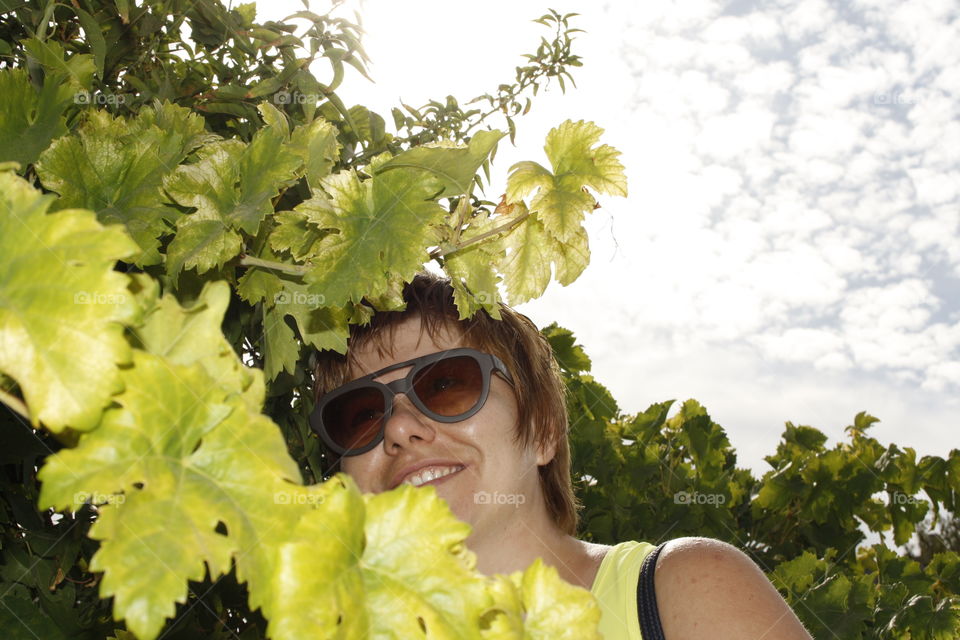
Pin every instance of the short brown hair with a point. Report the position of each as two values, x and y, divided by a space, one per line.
540 391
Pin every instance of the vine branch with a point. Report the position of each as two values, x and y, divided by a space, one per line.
294 269
506 226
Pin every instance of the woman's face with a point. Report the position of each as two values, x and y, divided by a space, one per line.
483 444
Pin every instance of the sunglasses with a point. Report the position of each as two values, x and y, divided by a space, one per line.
447 386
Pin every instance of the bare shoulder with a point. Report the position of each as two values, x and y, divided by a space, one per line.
709 589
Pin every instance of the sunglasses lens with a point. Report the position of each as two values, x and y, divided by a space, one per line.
353 419
451 386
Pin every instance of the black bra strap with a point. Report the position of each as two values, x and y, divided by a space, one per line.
647 611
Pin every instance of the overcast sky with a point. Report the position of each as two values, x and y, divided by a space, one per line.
790 249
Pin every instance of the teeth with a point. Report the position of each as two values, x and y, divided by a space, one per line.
426 475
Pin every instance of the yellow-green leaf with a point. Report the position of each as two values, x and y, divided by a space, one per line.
61 306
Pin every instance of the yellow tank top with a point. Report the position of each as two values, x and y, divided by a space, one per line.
615 588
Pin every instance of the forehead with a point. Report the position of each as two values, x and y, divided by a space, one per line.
401 342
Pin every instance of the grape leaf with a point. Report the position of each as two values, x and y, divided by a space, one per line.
473 268
455 166
115 166
201 244
391 565
61 305
77 69
537 604
322 585
560 198
187 335
570 148
320 326
280 347
31 119
570 356
415 553
531 251
233 182
316 144
22 620
295 234
175 458
384 225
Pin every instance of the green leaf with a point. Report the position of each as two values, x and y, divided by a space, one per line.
531 251
454 166
78 69
415 551
570 356
317 146
91 28
257 285
116 166
797 575
296 234
474 278
473 269
171 461
537 604
280 348
383 226
201 244
391 565
188 335
31 119
234 183
323 573
61 306
560 199
21 619
368 125
320 325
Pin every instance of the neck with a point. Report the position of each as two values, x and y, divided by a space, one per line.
522 540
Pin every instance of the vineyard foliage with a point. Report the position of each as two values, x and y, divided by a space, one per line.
188 212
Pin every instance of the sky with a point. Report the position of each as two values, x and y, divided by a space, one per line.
790 246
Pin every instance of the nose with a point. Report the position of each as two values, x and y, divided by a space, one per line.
406 424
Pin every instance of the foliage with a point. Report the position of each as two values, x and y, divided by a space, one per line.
180 199
184 220
654 477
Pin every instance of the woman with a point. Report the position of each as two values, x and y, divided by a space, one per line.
487 425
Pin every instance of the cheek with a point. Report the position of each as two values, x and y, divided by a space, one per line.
360 468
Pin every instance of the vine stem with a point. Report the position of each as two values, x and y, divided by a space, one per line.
295 269
506 226
15 403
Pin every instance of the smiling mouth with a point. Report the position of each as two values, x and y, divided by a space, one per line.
432 475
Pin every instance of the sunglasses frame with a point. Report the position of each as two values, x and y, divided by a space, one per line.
488 363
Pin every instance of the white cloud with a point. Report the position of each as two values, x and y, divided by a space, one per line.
730 135
808 18
827 136
802 345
